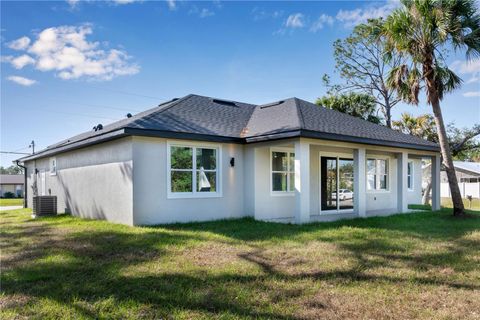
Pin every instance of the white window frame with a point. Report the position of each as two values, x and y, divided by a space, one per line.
411 175
290 170
377 174
53 169
194 194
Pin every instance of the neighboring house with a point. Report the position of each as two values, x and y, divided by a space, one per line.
199 158
468 177
466 172
12 183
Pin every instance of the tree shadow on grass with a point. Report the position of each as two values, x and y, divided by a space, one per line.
87 265
439 224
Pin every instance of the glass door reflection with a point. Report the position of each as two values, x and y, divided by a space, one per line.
336 183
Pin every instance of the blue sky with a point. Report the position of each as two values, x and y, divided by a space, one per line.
68 65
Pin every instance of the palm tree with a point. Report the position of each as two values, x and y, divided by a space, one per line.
419 31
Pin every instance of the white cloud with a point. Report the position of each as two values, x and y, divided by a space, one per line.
73 3
22 61
471 68
296 20
67 51
260 14
206 13
123 1
470 94
19 44
321 22
201 13
171 4
22 81
351 18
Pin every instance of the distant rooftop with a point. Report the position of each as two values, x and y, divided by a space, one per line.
473 167
11 179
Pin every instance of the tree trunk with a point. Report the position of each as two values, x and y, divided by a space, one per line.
458 208
426 194
388 109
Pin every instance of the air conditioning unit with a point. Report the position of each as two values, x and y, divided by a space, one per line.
44 205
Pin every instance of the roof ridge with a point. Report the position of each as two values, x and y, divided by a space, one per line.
299 112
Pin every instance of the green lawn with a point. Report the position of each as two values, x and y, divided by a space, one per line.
447 203
11 202
424 265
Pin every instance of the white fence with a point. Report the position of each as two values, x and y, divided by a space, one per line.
466 189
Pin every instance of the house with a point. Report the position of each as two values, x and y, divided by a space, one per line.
12 183
199 158
468 177
466 172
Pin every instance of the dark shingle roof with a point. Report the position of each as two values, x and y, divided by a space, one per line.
206 118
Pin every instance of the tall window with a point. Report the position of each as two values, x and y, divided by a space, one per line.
53 166
193 170
283 171
410 175
377 174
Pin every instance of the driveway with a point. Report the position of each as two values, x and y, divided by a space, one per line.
5 208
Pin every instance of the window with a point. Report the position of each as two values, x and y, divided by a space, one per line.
193 171
377 174
410 175
283 171
53 166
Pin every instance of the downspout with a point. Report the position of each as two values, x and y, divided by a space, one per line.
25 199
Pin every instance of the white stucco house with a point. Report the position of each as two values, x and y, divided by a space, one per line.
198 158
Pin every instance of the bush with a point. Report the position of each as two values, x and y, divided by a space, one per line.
9 195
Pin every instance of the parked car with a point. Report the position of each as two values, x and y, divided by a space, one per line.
344 194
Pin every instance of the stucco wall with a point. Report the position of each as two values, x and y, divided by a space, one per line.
415 196
267 206
93 182
384 199
151 203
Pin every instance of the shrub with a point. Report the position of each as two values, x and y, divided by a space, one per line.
9 195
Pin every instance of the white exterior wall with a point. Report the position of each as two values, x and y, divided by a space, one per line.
151 203
384 199
267 206
415 196
125 181
93 182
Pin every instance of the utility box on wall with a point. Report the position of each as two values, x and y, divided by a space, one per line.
44 205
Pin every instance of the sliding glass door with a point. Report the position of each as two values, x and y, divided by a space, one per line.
336 183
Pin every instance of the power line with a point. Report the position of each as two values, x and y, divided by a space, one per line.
76 114
12 152
91 105
129 93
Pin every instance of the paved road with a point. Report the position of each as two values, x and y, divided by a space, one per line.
5 208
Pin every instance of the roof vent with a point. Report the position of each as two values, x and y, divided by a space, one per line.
225 103
98 127
273 104
129 115
173 100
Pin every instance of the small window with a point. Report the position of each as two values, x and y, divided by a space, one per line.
410 175
377 174
53 166
193 171
283 171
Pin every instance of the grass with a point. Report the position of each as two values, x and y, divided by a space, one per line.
447 203
11 202
422 265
